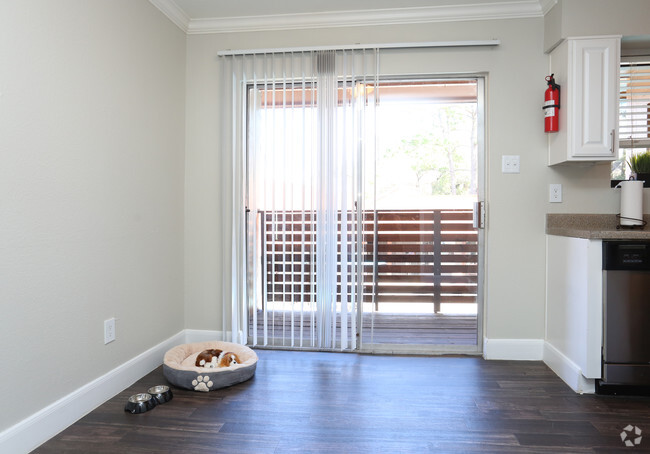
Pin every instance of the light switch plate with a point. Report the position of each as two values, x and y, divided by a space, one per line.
510 164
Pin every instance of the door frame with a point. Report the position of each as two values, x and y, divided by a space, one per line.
365 347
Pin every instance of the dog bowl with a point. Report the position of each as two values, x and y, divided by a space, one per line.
139 403
161 393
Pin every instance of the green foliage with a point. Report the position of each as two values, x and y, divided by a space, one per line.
640 162
437 159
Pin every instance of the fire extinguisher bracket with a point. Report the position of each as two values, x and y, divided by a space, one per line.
549 104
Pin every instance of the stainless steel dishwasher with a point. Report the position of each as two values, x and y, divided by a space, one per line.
626 316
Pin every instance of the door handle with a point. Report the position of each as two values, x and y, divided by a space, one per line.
478 218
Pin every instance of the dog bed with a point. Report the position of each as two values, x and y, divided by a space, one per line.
179 368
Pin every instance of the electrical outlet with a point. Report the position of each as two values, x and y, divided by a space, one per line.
555 193
109 330
510 164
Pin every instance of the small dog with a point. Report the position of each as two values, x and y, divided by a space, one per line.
212 358
208 358
228 359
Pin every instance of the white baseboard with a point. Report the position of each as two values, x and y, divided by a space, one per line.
567 370
200 335
33 431
513 349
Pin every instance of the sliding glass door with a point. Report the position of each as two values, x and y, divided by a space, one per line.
359 202
426 250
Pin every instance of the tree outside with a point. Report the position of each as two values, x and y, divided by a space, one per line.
436 158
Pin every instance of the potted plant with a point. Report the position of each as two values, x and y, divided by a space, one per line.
640 166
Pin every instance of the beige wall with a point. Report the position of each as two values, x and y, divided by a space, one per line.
515 238
110 189
515 266
595 17
91 192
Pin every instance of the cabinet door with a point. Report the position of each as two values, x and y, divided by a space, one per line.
594 92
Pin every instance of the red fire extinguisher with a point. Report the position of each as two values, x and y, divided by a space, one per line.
551 105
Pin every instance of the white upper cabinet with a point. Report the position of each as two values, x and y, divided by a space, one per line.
587 70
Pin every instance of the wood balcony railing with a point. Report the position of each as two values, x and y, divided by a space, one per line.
409 256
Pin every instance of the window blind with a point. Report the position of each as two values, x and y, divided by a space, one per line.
634 107
297 126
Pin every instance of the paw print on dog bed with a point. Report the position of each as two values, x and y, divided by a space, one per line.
202 383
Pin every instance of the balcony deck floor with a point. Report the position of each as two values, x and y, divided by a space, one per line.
387 328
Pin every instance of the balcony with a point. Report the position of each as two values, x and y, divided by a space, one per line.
419 276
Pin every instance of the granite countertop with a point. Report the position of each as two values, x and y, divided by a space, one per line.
593 226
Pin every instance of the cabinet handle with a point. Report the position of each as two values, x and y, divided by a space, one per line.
613 134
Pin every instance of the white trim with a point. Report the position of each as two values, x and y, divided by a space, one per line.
173 12
489 42
356 18
513 349
202 335
567 370
547 5
389 16
36 429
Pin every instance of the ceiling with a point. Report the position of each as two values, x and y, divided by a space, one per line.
224 16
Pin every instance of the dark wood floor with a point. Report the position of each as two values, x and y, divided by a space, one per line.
380 328
310 402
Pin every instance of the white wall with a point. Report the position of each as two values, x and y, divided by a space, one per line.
91 192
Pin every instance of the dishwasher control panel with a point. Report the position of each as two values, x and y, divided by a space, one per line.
626 255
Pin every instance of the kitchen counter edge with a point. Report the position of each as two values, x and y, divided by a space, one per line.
593 227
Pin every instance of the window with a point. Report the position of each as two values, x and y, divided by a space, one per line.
634 113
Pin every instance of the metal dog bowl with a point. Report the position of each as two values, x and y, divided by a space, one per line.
139 403
161 393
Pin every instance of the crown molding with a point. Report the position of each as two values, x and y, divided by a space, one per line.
391 16
173 12
546 5
359 18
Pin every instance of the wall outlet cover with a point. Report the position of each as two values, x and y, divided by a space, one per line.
109 330
555 193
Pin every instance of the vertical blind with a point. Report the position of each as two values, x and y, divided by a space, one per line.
292 177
